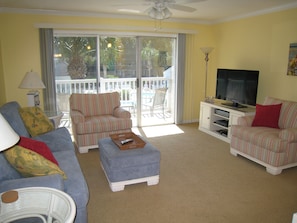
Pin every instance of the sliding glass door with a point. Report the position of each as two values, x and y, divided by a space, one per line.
156 75
141 69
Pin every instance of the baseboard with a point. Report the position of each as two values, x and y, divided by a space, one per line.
190 121
85 149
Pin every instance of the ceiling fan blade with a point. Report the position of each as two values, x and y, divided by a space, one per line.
190 1
132 4
147 10
181 8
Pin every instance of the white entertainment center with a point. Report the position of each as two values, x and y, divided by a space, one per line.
216 119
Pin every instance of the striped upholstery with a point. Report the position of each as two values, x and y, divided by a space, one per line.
275 147
288 115
261 136
96 116
95 104
103 123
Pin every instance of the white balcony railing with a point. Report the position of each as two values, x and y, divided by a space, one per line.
107 85
125 86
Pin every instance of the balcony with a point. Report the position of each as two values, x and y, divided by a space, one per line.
125 86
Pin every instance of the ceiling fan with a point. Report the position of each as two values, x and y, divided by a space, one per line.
160 9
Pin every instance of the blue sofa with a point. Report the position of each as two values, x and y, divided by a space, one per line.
61 145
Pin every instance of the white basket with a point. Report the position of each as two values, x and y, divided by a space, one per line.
50 205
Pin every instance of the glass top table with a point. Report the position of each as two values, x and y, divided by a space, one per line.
56 116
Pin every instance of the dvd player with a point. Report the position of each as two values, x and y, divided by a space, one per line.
222 113
222 122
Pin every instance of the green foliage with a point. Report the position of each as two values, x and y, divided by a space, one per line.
80 53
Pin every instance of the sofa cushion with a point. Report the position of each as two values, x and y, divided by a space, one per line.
39 147
103 123
30 163
267 115
36 121
95 104
10 112
7 172
75 184
57 140
53 181
263 137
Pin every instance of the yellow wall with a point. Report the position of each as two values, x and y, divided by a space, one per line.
260 42
2 85
21 52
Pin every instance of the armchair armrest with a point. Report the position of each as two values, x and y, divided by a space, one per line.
289 135
121 113
245 120
77 116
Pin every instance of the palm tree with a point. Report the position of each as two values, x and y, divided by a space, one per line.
108 53
73 50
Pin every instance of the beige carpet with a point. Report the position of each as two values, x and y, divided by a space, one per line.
200 181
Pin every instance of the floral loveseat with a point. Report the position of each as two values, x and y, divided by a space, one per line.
270 137
96 116
61 146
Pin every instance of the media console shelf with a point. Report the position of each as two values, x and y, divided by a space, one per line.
216 119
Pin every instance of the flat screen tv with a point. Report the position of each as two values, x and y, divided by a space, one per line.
238 87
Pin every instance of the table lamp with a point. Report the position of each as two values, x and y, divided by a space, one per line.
8 138
33 82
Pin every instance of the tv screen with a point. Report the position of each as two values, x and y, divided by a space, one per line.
237 86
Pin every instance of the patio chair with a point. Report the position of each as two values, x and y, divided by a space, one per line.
128 99
158 101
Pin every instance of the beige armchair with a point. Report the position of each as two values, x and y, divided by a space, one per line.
274 148
95 116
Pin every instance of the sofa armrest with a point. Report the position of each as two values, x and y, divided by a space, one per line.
245 120
289 135
77 116
53 181
121 113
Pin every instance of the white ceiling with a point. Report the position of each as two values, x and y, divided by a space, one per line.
207 11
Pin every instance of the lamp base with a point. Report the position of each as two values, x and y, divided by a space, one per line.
33 98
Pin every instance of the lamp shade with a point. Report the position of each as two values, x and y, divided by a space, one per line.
32 81
8 136
206 50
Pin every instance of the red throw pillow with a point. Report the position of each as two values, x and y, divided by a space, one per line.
38 147
267 115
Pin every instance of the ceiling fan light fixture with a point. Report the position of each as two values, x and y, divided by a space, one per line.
166 13
159 13
152 12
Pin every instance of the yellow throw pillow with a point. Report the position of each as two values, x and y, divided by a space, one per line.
29 163
36 121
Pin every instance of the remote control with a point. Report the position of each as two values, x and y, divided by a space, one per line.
126 141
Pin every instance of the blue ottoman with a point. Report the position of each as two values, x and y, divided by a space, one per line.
125 167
